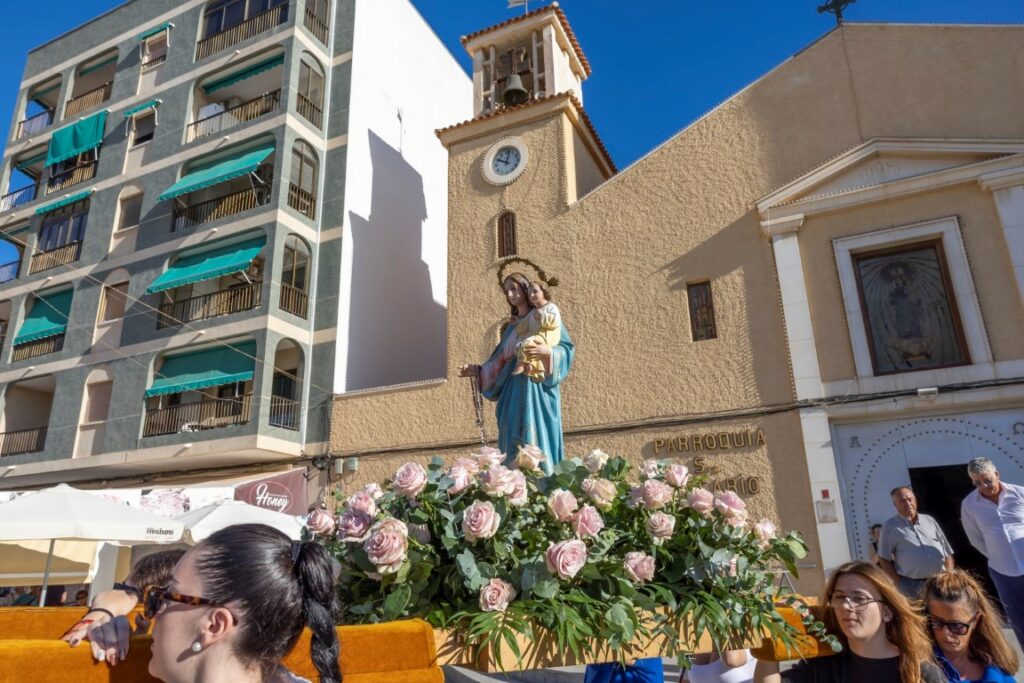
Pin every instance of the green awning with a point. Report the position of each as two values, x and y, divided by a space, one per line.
206 265
32 160
243 74
97 66
79 137
60 203
48 317
212 367
219 172
160 28
152 104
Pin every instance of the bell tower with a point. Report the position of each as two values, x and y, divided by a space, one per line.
524 59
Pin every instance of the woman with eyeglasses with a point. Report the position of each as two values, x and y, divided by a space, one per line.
883 638
236 605
969 643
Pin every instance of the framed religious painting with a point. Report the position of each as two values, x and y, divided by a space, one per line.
909 308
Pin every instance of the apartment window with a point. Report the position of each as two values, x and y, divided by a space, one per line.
295 272
222 15
129 212
156 51
506 234
310 100
64 226
97 401
114 303
144 128
908 308
702 311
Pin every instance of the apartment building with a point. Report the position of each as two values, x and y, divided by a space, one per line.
211 201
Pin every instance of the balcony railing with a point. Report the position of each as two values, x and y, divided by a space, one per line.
247 29
294 300
153 63
88 100
301 201
72 176
317 26
22 441
186 217
40 347
44 260
236 116
224 302
34 124
18 197
285 412
198 416
309 110
9 271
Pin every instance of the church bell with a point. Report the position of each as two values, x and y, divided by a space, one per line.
514 94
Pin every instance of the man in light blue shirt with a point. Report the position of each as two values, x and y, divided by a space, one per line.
993 518
912 547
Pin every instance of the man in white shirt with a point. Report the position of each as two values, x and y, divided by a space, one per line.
993 518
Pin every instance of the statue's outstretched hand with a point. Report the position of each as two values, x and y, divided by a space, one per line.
469 370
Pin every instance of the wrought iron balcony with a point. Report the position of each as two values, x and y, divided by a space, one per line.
88 100
151 64
243 31
15 199
302 201
40 347
72 176
33 124
223 302
9 271
198 416
22 441
186 217
44 260
317 26
309 110
235 116
285 412
295 301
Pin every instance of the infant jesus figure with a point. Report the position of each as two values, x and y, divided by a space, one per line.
542 325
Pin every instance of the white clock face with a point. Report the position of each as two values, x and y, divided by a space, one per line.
506 160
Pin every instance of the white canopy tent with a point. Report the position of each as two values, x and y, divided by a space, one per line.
202 522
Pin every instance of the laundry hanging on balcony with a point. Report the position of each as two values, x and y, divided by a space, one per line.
48 318
64 201
219 172
210 367
242 74
79 137
210 264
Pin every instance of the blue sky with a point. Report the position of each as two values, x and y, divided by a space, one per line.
657 65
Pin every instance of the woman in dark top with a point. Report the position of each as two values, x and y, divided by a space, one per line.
969 644
884 639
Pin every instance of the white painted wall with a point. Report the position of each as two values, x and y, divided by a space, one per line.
405 85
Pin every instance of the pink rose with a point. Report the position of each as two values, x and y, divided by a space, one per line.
362 501
354 526
650 469
731 505
530 458
765 531
421 532
562 504
587 522
520 494
374 489
469 464
738 521
387 545
480 520
655 494
677 475
595 460
639 567
496 594
566 559
462 478
701 500
488 456
498 482
660 526
601 492
320 522
409 480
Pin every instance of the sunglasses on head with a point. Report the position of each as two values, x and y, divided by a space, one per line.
957 628
155 597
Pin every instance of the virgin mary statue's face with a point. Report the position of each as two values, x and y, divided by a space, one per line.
514 293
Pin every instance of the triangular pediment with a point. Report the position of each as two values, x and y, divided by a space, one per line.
885 161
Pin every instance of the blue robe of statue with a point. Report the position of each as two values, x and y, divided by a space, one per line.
528 412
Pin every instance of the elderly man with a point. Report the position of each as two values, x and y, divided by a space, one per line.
912 547
993 517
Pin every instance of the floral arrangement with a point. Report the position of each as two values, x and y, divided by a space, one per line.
592 555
